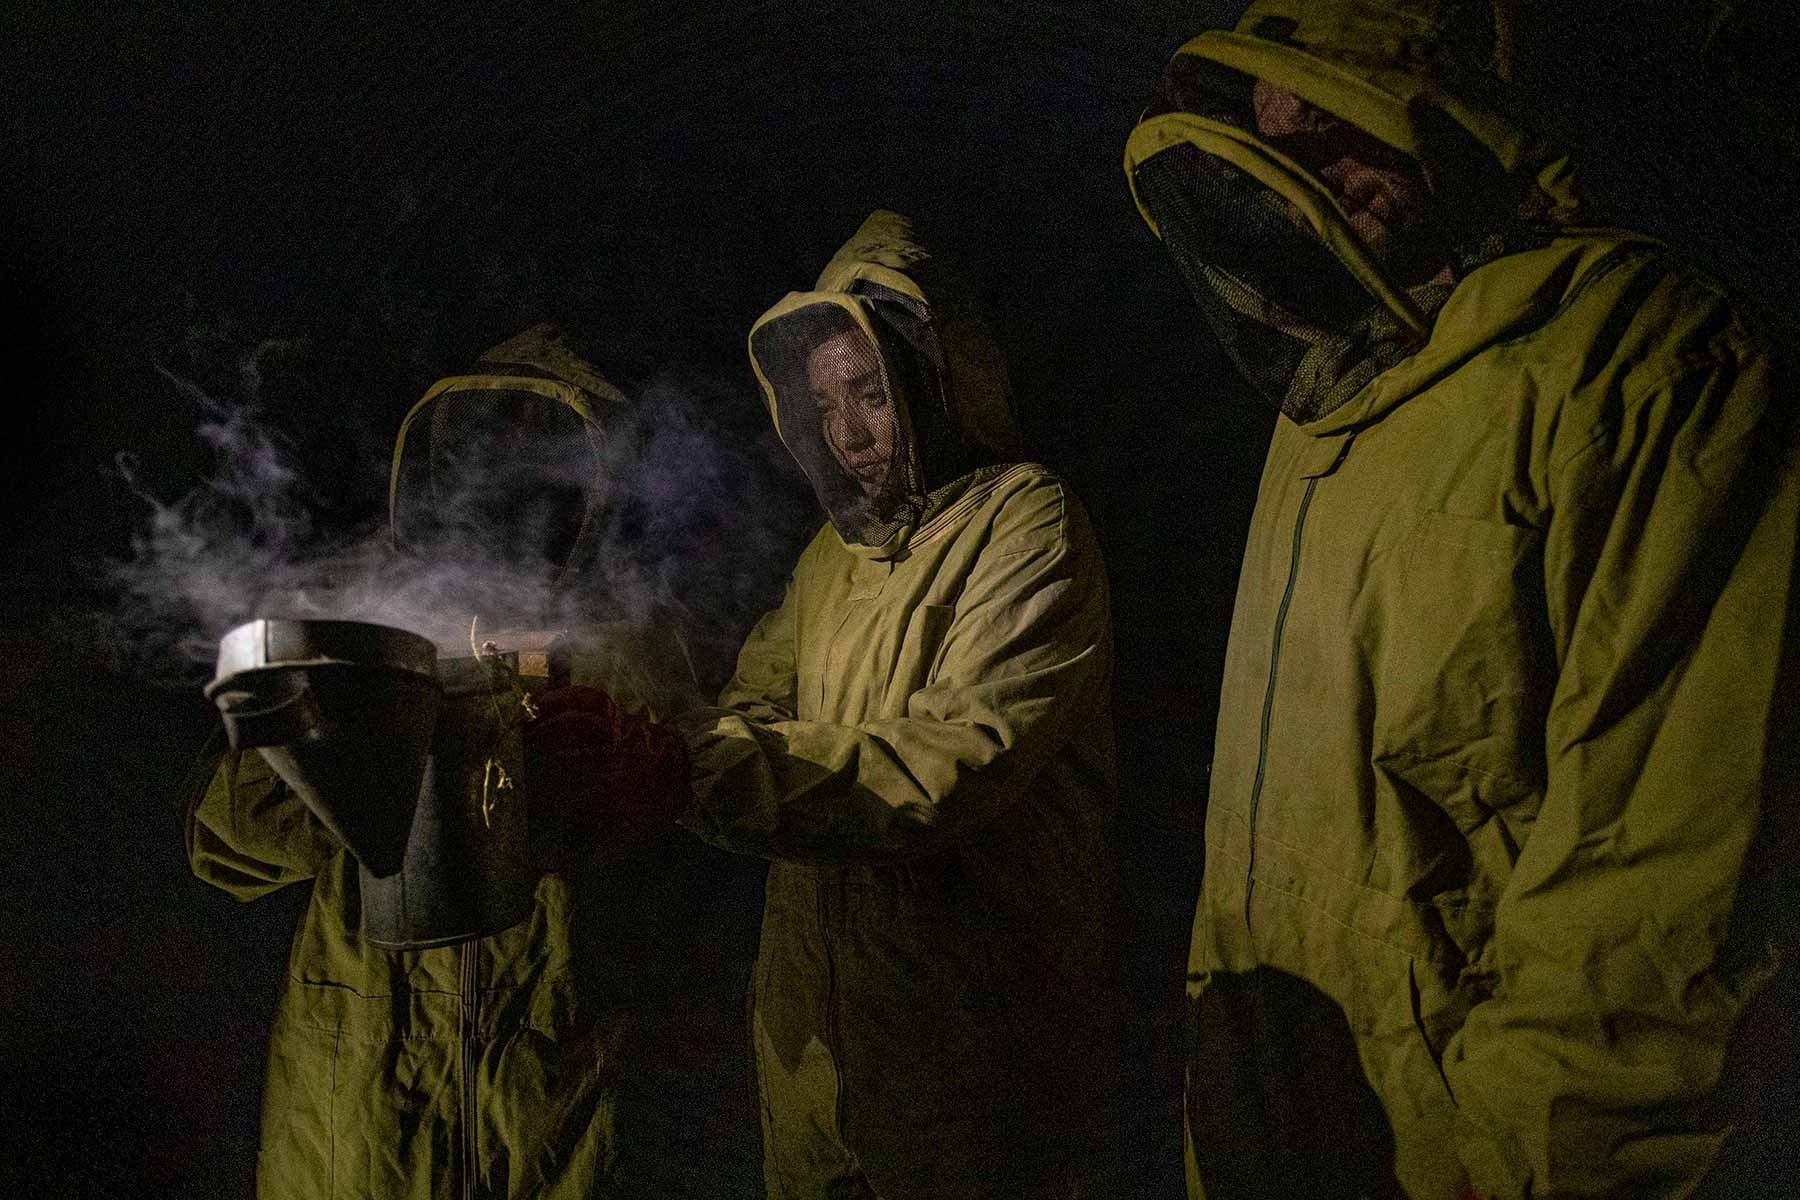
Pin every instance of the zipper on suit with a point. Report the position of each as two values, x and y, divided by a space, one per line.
466 1068
1262 747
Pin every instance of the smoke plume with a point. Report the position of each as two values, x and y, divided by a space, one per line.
685 513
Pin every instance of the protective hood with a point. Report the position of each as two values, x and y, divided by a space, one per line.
1325 173
503 465
885 385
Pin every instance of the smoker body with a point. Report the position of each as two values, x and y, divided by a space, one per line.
411 762
465 873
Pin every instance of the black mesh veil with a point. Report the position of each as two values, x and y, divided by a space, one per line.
497 476
1306 351
841 389
1299 324
916 363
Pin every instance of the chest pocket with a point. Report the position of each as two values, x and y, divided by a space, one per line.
917 657
1465 669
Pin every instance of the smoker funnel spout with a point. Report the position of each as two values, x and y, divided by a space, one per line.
344 712
412 763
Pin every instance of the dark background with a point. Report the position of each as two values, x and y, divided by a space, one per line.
399 190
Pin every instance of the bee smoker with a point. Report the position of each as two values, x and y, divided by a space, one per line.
410 761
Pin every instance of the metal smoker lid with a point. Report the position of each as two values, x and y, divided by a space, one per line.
286 642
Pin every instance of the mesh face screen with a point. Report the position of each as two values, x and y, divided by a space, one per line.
919 372
1249 267
842 418
498 476
1292 317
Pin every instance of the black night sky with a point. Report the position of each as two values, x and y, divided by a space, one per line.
395 191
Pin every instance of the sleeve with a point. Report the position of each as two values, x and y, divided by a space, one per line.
1026 658
248 834
1632 931
763 687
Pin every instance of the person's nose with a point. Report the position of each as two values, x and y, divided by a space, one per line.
853 432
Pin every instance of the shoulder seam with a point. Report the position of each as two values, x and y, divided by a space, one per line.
1619 258
941 523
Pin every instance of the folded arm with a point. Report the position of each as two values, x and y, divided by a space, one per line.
1025 658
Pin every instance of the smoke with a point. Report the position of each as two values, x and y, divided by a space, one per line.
680 516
